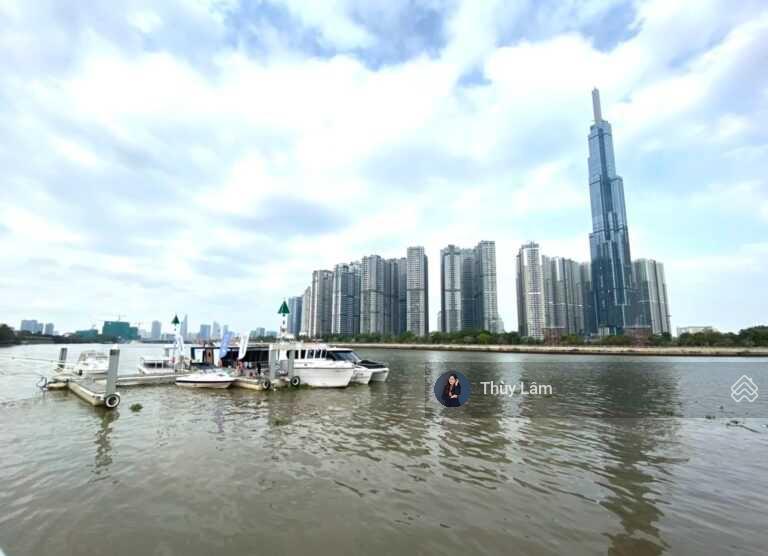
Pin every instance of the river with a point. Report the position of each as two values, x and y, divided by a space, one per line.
627 456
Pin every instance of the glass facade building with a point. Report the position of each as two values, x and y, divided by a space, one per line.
613 282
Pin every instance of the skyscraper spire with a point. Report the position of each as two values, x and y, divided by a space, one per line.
596 105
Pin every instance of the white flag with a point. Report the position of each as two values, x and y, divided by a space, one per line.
243 346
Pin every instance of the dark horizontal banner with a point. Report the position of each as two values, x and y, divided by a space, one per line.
603 389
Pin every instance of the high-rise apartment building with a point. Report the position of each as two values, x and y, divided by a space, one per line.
306 302
321 303
563 297
157 330
530 292
417 292
372 295
48 330
652 301
345 312
451 295
294 315
468 288
205 332
216 331
612 274
184 329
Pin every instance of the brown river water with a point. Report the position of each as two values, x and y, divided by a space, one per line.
627 456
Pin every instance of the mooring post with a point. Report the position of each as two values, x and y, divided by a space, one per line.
62 359
272 363
114 359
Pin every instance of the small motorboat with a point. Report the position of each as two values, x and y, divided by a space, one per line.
206 379
92 363
379 371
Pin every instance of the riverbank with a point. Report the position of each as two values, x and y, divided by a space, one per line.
578 350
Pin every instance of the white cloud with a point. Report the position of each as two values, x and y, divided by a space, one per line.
398 155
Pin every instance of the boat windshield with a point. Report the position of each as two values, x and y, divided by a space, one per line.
350 356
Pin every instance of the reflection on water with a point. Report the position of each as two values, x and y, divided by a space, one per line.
385 469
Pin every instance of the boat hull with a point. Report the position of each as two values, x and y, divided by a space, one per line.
324 378
361 375
203 384
379 375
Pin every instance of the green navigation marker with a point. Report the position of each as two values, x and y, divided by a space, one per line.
283 309
175 320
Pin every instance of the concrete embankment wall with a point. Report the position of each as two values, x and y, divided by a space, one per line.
579 350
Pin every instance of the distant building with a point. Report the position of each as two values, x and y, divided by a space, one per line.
530 292
204 334
321 303
563 298
345 302
694 329
259 332
306 302
613 283
468 288
90 333
28 326
270 334
294 316
653 304
48 330
120 329
216 331
157 330
417 292
184 329
372 295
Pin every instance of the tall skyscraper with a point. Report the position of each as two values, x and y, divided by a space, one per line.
321 303
530 294
612 276
653 304
48 330
345 299
216 331
294 316
402 296
563 297
451 313
468 288
157 329
486 298
372 295
224 330
205 332
306 302
417 318
184 329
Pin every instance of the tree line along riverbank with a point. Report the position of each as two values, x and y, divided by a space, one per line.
574 350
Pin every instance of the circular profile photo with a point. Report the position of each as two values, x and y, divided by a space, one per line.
452 389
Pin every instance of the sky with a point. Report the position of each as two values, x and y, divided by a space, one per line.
204 157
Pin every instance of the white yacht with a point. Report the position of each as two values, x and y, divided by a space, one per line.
206 378
311 367
92 363
379 371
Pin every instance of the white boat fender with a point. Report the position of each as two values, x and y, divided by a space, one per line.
112 401
295 381
266 384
